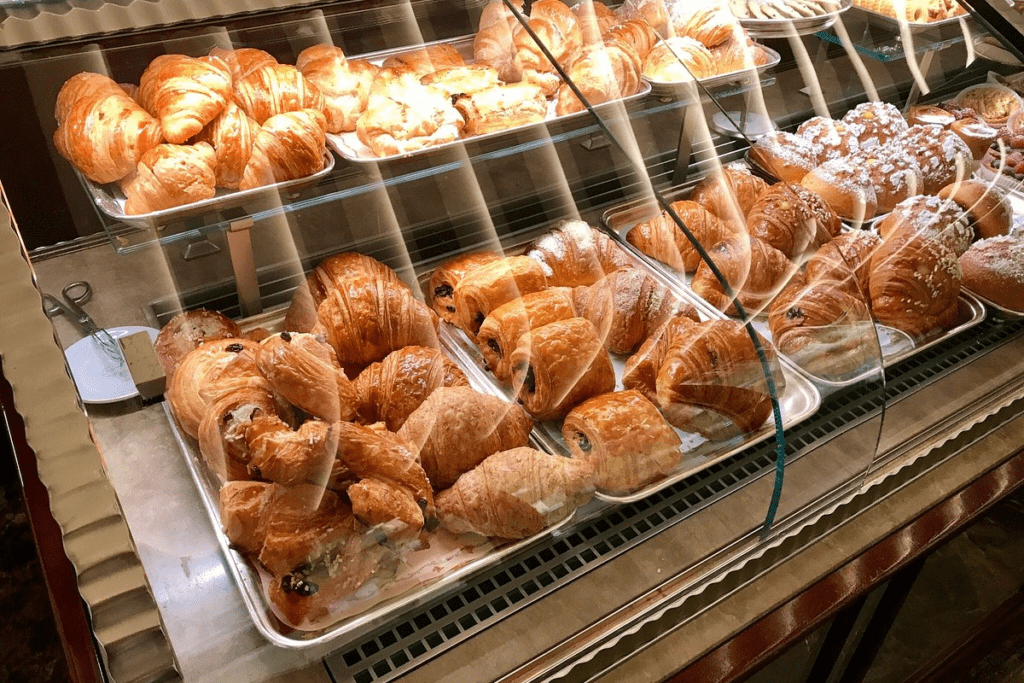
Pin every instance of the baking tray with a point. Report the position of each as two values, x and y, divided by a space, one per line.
799 400
110 199
894 23
682 88
783 28
894 344
1001 311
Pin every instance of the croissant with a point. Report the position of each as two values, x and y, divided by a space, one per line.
389 391
603 72
239 374
378 503
183 391
276 89
661 239
594 18
738 53
462 80
344 84
367 323
185 93
288 146
222 433
500 332
244 60
515 494
756 272
186 331
844 261
446 276
493 44
628 306
305 371
573 254
457 427
650 12
782 219
81 85
711 24
232 134
729 195
427 59
411 118
624 439
485 288
291 456
501 107
171 175
641 369
679 59
637 33
105 135
556 27
558 366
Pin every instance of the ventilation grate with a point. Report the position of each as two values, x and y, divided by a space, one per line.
553 562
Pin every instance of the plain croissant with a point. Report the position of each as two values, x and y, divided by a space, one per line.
231 134
172 175
185 93
344 84
82 85
276 89
603 72
288 146
244 60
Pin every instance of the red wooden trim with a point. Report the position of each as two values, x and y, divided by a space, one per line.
58 572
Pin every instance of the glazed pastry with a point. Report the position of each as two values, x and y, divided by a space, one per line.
661 239
305 371
505 325
995 104
485 288
679 59
930 218
171 175
288 146
493 44
755 271
844 262
186 331
624 438
344 84
427 59
627 307
231 134
637 33
365 323
501 107
223 431
915 284
183 392
457 427
515 494
729 195
272 90
84 84
291 456
780 217
988 211
785 156
603 72
877 122
462 80
558 366
573 254
389 391
243 61
185 93
994 269
556 27
442 283
105 136
845 187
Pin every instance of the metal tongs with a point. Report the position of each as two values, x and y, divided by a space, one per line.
75 294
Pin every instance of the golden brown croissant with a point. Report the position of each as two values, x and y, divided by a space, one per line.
344 84
729 195
378 503
105 135
305 371
603 72
485 288
711 24
573 254
594 19
446 276
186 331
223 431
81 85
844 261
560 365
679 59
407 118
288 146
501 107
637 33
654 13
457 427
291 456
782 219
737 53
183 391
756 271
367 323
171 175
515 494
276 89
661 239
493 44
238 374
244 60
557 28
427 59
389 391
624 439
232 134
185 93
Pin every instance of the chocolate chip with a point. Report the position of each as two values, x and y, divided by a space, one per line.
422 502
480 317
530 380
794 312
494 346
234 348
443 292
583 442
285 336
430 523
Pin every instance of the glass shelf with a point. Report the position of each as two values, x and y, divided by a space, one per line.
881 39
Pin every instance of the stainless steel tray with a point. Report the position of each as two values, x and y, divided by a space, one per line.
110 199
799 401
1001 311
783 28
682 88
895 23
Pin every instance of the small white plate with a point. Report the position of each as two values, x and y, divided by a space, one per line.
100 378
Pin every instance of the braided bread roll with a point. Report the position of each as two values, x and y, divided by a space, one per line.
81 85
244 60
505 325
288 146
515 494
344 84
171 175
232 134
276 89
105 135
573 254
185 93
389 391
661 239
603 72
756 271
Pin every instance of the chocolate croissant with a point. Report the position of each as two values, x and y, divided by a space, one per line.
558 366
457 427
573 253
288 146
185 93
441 286
624 438
515 494
505 325
661 239
485 288
756 271
305 371
171 175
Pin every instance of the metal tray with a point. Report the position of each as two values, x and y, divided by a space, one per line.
1001 311
682 88
783 28
799 401
110 199
894 23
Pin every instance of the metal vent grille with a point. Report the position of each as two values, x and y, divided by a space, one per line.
537 571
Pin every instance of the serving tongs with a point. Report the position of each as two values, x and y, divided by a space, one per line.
75 294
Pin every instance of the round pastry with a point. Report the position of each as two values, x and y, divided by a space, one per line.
879 123
988 211
679 59
829 138
993 103
895 176
994 269
186 331
784 155
925 115
978 135
930 217
942 156
846 188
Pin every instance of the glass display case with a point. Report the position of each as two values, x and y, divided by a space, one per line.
396 330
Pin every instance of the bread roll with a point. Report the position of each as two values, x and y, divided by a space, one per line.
993 268
845 187
786 156
988 211
878 123
829 139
